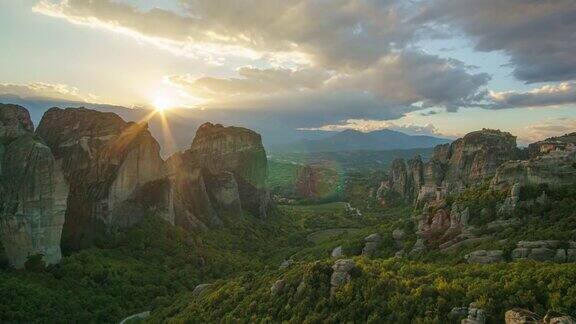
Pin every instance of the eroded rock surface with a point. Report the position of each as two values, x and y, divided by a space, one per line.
341 274
107 162
33 192
222 175
453 167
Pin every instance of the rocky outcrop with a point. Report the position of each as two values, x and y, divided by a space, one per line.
523 316
544 251
559 143
520 316
341 274
476 315
554 169
222 175
453 167
337 252
107 163
278 287
372 243
485 257
33 192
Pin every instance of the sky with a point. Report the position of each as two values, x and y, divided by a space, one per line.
435 67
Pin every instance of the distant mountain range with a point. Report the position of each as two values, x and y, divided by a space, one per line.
183 123
350 140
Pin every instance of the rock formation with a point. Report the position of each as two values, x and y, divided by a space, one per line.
559 143
372 243
108 164
341 274
32 191
278 287
453 167
485 257
220 176
554 169
545 251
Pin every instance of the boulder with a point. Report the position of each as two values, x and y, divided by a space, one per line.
476 315
562 320
286 264
398 234
372 244
278 287
337 252
485 257
341 274
521 316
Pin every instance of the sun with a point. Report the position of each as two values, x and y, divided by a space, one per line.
162 103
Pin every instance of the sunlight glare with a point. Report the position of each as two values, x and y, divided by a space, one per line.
162 103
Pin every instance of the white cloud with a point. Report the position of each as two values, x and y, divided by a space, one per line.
368 125
45 90
547 95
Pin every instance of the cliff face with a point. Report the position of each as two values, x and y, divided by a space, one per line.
223 173
108 163
453 167
33 192
556 168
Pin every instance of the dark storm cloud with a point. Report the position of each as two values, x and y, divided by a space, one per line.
539 36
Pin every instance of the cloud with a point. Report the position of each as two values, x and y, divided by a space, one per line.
401 79
550 128
369 125
537 35
252 81
45 90
547 95
411 77
338 34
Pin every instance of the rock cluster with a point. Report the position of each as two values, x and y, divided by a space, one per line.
544 251
33 192
522 316
476 315
453 167
485 257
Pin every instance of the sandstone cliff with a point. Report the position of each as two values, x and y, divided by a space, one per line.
453 167
33 192
108 163
223 173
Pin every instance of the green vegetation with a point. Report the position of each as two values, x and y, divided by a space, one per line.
391 291
155 266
